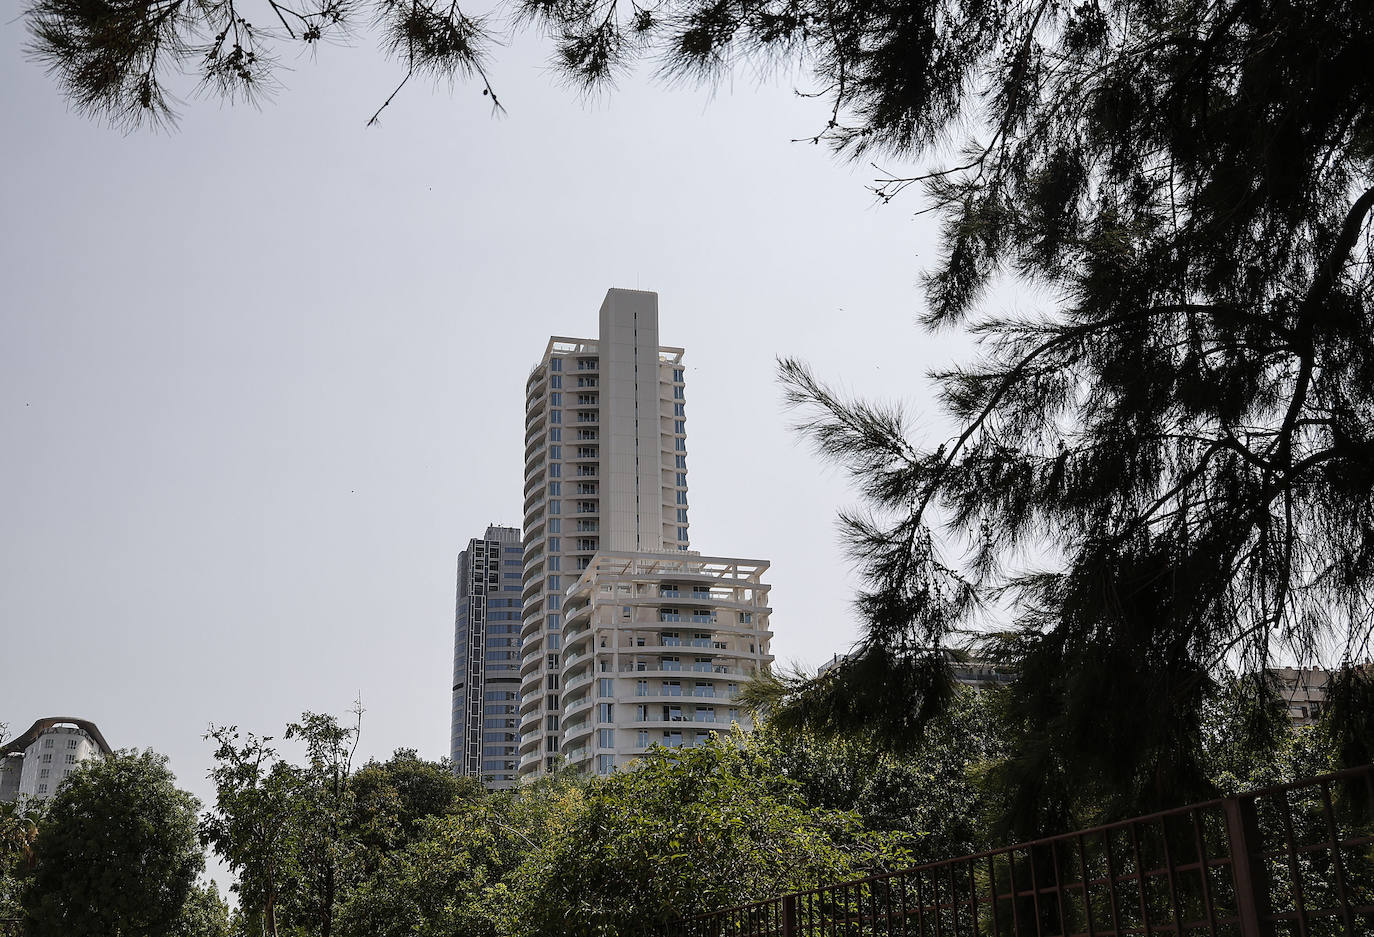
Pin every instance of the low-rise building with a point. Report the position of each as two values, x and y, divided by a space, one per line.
33 764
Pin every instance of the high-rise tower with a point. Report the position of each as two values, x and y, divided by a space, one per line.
486 658
605 470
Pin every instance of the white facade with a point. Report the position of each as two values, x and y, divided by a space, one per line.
605 469
655 649
44 756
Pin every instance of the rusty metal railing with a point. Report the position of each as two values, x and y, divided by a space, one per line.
1295 860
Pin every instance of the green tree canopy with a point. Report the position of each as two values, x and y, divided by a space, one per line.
116 854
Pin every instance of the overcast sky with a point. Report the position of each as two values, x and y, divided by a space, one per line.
261 379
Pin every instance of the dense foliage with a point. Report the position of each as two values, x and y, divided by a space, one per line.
415 851
116 852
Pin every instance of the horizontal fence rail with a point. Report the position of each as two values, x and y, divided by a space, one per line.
1295 860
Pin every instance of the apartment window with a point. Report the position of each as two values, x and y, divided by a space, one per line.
679 426
682 497
678 374
550 744
678 394
679 410
555 583
555 416
605 764
71 743
551 723
555 601
746 618
672 688
42 788
555 488
555 364
552 682
555 471
624 611
734 715
672 739
603 712
556 400
553 548
555 452
44 773
681 462
555 526
682 533
682 515
642 738
556 434
681 479
554 561
555 641
641 688
47 757
604 688
556 380
670 663
703 689
605 738
680 444
551 703
555 507
71 759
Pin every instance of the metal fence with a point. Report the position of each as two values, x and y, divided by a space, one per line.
1295 860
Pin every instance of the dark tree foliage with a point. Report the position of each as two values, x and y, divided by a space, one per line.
1181 439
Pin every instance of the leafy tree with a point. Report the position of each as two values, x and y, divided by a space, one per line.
205 914
446 880
18 834
393 799
116 852
687 831
322 806
251 823
934 792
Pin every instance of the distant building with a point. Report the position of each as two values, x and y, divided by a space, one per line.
975 672
1303 691
605 529
655 649
37 761
485 741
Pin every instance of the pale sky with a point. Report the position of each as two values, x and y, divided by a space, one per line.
262 378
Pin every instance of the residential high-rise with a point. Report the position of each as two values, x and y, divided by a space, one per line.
655 649
486 658
605 470
33 764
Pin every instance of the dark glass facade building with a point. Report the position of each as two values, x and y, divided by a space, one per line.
485 738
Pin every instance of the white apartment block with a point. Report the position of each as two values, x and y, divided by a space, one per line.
605 470
35 763
655 649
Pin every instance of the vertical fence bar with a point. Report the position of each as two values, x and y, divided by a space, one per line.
1346 916
1247 874
789 916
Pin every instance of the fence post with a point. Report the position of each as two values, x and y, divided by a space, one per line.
1242 840
789 916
